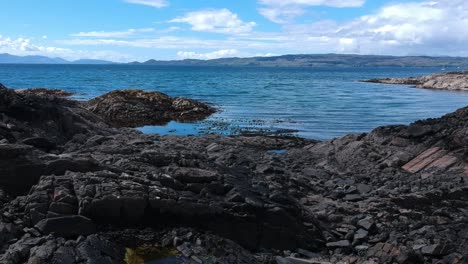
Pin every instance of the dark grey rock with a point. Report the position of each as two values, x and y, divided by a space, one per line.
366 223
339 244
67 226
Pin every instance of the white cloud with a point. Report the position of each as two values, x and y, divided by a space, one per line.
24 47
208 56
152 3
284 11
169 30
424 27
19 44
331 3
281 15
269 54
112 34
215 20
348 45
415 27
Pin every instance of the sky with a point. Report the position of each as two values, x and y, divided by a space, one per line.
138 30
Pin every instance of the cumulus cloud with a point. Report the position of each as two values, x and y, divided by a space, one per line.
112 34
282 15
429 26
24 47
215 20
152 3
348 45
411 28
284 11
19 44
208 56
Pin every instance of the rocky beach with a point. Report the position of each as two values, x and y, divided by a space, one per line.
457 81
79 185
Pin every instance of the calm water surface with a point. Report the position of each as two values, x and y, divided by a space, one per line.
318 103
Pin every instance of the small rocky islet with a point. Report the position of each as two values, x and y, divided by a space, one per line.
78 186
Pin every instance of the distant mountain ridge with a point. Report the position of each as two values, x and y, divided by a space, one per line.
318 60
8 58
299 60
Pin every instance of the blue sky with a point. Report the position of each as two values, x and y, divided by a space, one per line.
127 30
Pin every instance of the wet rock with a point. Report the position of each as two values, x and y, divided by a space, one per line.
133 108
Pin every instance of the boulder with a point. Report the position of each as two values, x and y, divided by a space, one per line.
135 108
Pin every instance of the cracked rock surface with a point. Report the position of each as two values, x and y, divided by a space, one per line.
73 189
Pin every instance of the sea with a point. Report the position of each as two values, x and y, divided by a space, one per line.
312 102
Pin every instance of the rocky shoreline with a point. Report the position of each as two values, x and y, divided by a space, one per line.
457 81
78 187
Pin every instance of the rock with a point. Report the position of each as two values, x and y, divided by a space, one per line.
443 81
361 250
292 260
20 168
134 108
44 92
352 197
339 244
226 199
367 224
435 250
62 208
77 164
384 251
360 235
307 253
39 142
67 226
8 231
363 188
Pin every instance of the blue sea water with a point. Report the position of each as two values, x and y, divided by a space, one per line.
318 103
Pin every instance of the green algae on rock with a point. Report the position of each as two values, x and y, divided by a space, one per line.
147 253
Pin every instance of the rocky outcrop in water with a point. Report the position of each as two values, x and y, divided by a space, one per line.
44 92
134 108
443 81
395 195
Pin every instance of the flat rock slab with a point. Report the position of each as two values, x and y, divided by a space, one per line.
431 158
67 226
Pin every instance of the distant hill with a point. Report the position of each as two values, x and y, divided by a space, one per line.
8 58
89 61
300 60
338 60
